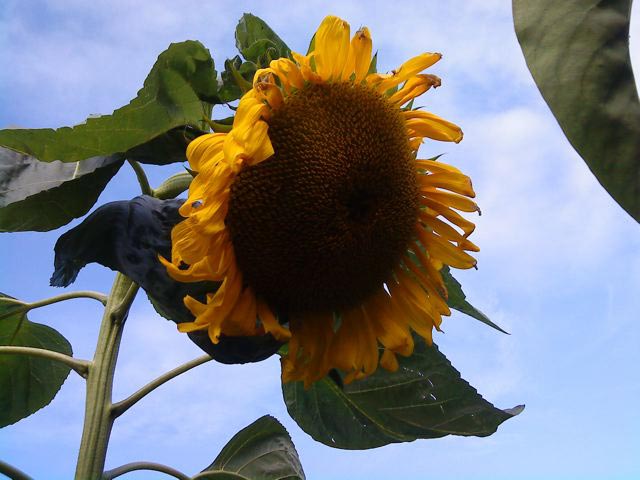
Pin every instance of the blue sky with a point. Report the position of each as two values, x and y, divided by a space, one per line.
559 266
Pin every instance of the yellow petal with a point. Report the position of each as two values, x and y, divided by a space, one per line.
359 57
331 47
414 87
448 232
199 149
441 249
453 182
451 199
425 124
407 70
288 72
270 322
451 215
389 361
243 317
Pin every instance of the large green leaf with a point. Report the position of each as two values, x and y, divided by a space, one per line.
458 300
578 54
261 451
425 398
174 94
27 383
257 42
42 196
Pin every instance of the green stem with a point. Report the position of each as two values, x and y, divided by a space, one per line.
12 472
25 306
98 419
145 187
81 367
124 405
131 467
101 297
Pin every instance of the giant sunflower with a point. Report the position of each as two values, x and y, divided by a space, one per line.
316 217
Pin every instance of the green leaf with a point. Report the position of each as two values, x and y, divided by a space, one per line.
43 196
261 451
457 300
236 73
425 398
174 94
257 42
27 383
578 54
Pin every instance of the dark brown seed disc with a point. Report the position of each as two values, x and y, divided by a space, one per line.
320 225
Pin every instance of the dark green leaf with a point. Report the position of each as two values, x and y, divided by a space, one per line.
43 196
170 147
425 398
457 300
578 54
128 236
261 451
174 94
27 383
257 42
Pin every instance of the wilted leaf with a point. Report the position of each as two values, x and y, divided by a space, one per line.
175 94
458 300
43 196
27 383
261 451
425 398
128 236
578 54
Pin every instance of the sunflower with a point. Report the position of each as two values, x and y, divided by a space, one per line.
317 219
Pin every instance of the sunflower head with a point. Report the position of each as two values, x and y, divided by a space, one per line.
316 217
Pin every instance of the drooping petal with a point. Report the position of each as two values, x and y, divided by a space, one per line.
426 124
414 87
408 69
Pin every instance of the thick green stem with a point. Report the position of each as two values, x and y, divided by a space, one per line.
98 419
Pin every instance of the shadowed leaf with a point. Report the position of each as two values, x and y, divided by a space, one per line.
578 54
261 451
27 383
425 398
43 196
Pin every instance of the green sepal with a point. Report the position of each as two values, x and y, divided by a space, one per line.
457 300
